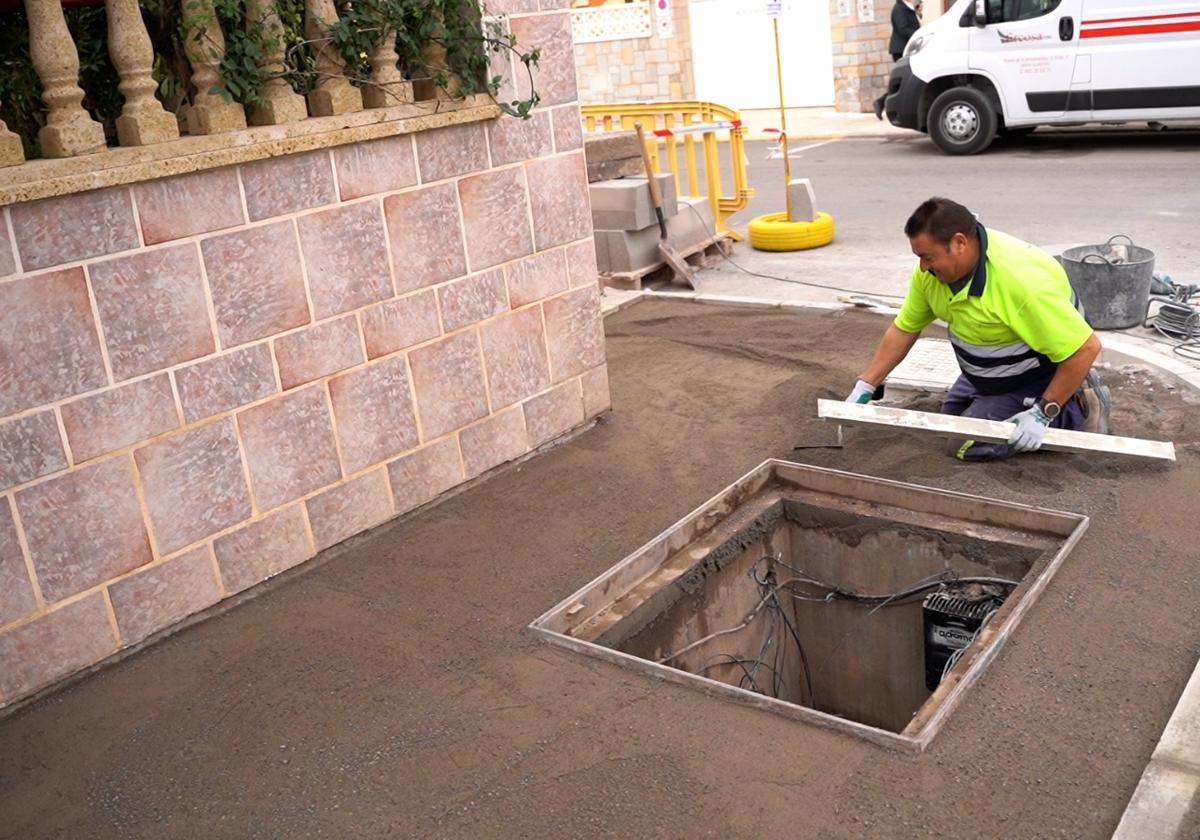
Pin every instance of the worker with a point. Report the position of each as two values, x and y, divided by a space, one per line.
1023 346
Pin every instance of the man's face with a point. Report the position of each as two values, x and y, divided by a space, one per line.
949 262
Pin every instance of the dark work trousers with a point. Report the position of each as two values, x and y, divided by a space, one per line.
963 400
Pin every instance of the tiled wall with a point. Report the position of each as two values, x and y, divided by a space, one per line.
640 69
206 379
861 63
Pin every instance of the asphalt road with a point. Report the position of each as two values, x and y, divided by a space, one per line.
1053 189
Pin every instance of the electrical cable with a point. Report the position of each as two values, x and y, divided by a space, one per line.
745 270
812 700
1177 320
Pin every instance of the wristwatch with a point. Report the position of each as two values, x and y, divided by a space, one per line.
1048 408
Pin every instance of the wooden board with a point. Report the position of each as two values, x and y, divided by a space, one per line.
990 431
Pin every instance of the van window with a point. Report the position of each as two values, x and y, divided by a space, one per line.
1003 11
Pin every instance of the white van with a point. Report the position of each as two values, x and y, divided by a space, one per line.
997 67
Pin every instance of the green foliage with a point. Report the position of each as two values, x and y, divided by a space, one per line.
442 42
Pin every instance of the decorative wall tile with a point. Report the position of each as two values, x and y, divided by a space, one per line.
194 484
510 7
285 184
376 166
153 309
263 549
581 263
425 474
415 220
158 597
553 413
537 277
16 592
400 323
29 448
448 377
451 151
55 645
574 332
496 217
562 214
101 222
318 351
493 441
346 256
568 128
514 349
119 417
472 299
48 343
257 286
555 74
374 413
184 205
596 398
289 446
83 528
226 382
350 508
514 140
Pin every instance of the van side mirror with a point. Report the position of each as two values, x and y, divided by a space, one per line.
981 13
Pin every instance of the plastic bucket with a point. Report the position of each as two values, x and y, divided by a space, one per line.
1112 281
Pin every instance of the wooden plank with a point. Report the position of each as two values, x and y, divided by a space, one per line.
990 431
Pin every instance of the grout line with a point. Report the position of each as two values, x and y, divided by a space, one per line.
412 395
337 438
312 318
112 615
178 401
546 342
137 216
139 489
487 388
249 479
242 193
26 553
18 263
529 212
308 529
87 280
209 301
387 244
337 182
216 569
462 228
64 439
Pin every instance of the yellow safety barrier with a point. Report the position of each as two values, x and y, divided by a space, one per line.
686 124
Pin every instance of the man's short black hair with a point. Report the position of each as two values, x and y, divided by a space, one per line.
941 218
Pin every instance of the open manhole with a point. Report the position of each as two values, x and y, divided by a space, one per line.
852 602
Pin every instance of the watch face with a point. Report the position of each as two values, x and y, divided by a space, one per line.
1051 409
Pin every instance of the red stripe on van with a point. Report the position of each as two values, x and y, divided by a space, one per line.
1143 17
1189 26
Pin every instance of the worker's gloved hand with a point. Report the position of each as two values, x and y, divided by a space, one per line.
1030 430
862 393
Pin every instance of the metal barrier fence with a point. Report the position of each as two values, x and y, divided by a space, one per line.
681 126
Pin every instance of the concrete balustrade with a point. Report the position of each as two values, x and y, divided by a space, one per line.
334 94
205 45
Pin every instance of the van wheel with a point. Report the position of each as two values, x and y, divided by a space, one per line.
962 121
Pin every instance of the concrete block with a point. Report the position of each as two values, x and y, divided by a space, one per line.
625 204
609 169
802 201
612 155
630 251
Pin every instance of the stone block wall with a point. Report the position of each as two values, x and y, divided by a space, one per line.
208 378
639 69
861 62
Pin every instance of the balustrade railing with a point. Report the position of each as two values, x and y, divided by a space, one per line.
69 130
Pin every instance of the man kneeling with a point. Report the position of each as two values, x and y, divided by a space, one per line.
1022 344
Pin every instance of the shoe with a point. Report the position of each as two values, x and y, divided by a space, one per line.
1097 399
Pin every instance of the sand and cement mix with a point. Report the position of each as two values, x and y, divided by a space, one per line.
389 688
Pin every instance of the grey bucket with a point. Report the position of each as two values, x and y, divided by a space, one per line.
1112 281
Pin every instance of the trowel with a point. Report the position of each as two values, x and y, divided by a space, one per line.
684 273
